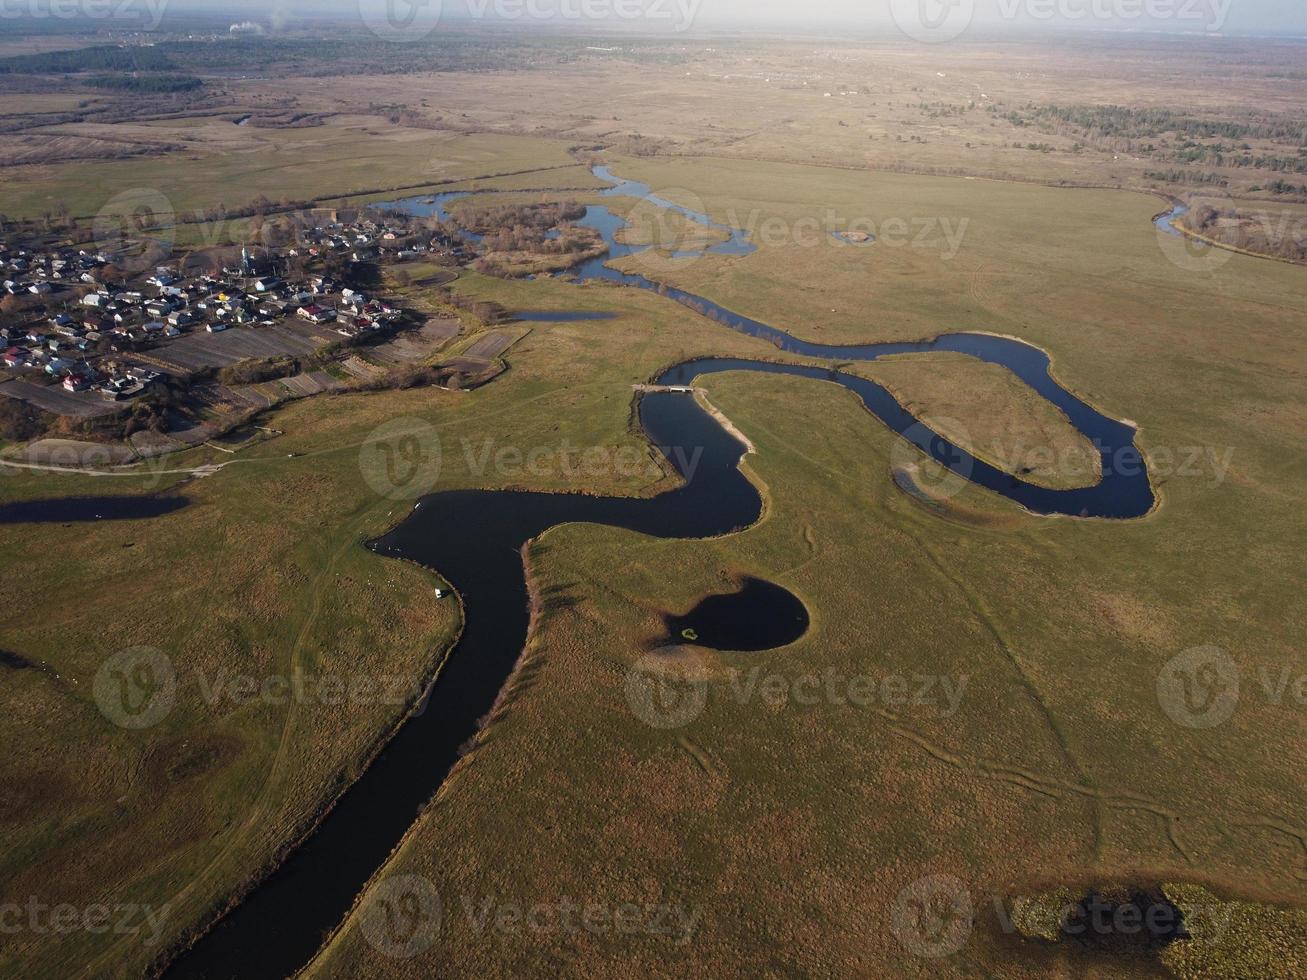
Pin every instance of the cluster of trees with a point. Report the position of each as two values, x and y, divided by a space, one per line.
261 205
1122 121
103 57
24 231
149 82
407 376
1187 177
525 228
1221 155
1284 187
935 110
537 216
354 54
637 145
1266 234
20 421
148 414
1140 131
140 68
487 312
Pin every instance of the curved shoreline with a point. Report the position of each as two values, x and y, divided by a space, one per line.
465 538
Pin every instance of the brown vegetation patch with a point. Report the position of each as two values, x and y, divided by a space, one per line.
42 148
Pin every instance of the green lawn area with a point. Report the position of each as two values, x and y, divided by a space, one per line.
299 164
786 829
790 829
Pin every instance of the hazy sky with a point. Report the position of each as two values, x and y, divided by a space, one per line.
931 16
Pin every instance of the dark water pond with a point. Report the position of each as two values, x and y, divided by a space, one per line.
473 539
760 616
15 661
70 510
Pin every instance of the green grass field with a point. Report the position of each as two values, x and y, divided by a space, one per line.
227 164
786 829
791 829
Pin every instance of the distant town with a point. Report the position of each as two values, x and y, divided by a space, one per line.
83 337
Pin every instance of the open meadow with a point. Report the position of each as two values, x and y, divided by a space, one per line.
982 711
1058 766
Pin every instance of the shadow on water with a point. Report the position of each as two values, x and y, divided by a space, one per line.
71 510
1139 922
15 661
760 616
473 538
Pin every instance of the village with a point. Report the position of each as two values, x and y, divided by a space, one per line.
82 338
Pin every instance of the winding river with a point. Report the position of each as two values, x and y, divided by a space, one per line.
1165 222
473 538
